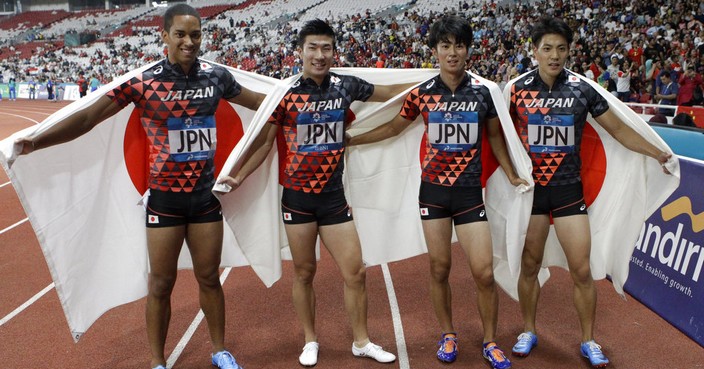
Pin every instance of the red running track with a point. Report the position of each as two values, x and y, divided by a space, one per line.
262 330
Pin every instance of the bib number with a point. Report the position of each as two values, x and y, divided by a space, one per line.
453 131
320 131
192 138
551 133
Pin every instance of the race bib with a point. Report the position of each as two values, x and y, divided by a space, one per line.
320 130
453 131
551 133
192 138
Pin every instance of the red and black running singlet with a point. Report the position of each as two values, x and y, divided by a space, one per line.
178 114
550 123
312 122
454 124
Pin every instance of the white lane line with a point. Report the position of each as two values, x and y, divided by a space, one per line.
26 304
14 225
5 184
191 329
402 355
21 116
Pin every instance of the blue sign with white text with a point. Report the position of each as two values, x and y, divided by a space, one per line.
666 267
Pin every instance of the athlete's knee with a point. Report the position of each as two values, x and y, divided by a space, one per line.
484 278
208 279
582 274
440 270
530 263
161 286
305 273
356 277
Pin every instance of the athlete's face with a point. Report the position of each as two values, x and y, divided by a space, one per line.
552 53
183 40
318 57
451 55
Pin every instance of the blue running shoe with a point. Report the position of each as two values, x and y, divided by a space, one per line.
495 356
225 360
526 342
592 351
159 367
447 352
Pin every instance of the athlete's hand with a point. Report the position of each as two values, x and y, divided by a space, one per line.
24 145
663 158
517 181
230 183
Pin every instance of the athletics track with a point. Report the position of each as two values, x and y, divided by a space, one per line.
262 330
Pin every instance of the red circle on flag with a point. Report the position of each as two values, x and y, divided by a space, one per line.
136 145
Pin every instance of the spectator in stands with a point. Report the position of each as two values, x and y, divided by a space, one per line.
12 87
180 206
32 88
690 84
82 85
668 94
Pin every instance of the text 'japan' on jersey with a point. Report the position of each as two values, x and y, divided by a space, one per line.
550 123
312 122
454 124
177 111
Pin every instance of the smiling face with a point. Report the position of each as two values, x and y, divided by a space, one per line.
551 53
318 56
183 41
452 56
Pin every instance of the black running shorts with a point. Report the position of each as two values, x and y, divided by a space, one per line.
326 208
168 209
463 204
560 201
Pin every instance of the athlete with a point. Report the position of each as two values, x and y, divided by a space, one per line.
549 107
457 110
177 98
310 121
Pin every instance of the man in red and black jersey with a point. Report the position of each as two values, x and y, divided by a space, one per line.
177 99
457 110
309 124
549 107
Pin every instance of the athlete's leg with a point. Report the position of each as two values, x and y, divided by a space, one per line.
438 237
475 239
204 241
531 260
164 246
344 246
574 236
301 240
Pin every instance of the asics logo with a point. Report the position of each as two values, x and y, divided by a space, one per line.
529 80
431 84
158 70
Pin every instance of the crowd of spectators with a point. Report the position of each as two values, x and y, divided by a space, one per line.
624 45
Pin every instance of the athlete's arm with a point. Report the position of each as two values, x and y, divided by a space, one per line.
254 157
248 98
71 127
384 131
385 92
630 138
498 147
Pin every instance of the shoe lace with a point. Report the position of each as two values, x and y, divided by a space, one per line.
496 353
524 338
594 349
448 343
226 361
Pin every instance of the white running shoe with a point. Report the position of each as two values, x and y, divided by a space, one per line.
309 356
375 352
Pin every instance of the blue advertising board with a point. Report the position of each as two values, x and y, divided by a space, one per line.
666 267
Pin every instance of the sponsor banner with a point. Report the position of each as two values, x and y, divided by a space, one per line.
666 267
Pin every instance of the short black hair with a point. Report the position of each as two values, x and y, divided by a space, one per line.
450 25
317 27
178 9
551 25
